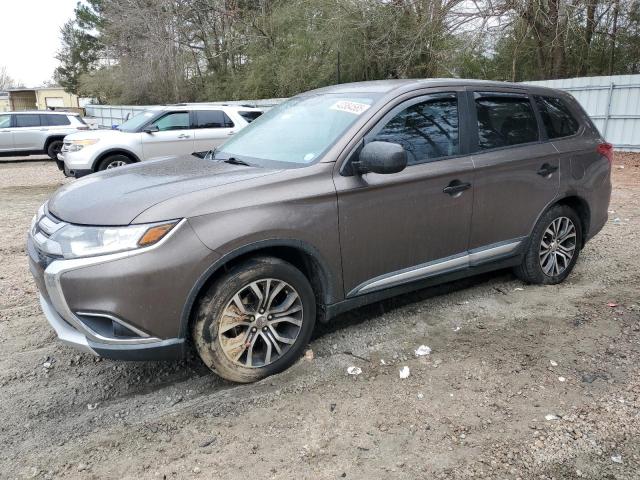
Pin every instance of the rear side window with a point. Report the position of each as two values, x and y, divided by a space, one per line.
504 120
212 119
427 130
556 117
54 120
249 116
27 120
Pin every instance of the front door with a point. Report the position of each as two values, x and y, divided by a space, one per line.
174 136
517 172
212 128
401 227
6 134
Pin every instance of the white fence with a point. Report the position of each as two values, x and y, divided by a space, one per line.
613 103
106 116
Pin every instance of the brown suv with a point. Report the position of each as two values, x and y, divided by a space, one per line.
336 198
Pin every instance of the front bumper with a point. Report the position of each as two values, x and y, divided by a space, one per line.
112 305
75 165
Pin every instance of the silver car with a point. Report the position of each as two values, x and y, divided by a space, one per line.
36 132
160 132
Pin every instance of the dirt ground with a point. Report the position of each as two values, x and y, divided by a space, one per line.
523 381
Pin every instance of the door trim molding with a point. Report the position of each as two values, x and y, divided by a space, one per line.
470 258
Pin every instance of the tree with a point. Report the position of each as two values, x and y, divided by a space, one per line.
6 82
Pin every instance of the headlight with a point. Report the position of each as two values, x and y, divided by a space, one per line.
80 241
76 145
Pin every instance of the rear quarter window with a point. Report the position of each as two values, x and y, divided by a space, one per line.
557 118
505 120
249 116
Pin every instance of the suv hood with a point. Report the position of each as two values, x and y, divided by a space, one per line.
101 134
118 196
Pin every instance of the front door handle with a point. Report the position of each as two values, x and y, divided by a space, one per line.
456 187
182 135
231 133
546 170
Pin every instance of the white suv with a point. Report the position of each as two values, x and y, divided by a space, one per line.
159 132
37 132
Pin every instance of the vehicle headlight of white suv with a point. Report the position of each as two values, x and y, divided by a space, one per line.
77 145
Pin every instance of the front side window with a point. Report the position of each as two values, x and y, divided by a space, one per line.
54 120
27 120
172 121
297 132
427 130
137 121
5 121
212 119
556 117
505 120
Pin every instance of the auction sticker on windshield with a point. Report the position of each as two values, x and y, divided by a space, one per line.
350 107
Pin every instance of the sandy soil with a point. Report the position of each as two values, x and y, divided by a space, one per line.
522 382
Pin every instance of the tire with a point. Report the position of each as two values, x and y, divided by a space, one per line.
226 348
114 161
60 165
54 148
538 265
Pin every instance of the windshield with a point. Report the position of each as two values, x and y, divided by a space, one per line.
298 131
133 124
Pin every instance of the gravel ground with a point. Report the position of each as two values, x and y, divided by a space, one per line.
522 382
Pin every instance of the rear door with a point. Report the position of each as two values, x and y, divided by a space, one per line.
517 169
174 136
6 133
28 133
211 128
401 227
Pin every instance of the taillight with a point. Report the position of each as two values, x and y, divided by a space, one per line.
606 149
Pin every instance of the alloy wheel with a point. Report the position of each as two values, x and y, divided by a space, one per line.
260 323
116 163
557 246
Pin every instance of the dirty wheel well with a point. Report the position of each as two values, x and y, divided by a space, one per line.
581 207
300 259
115 152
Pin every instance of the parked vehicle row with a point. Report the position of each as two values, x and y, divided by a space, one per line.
336 198
37 132
159 132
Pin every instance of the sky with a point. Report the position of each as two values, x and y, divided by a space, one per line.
30 37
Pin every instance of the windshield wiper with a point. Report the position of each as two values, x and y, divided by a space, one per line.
236 161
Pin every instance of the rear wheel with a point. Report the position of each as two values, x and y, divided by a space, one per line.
553 247
54 148
114 161
255 320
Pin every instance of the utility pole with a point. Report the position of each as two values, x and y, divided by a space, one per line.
614 34
338 70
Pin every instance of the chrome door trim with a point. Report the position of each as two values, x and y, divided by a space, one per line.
471 258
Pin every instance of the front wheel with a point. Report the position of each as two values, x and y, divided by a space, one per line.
553 247
255 320
114 161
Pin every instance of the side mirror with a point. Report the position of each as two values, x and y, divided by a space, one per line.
151 129
382 157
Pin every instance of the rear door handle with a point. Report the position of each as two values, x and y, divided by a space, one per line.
546 170
231 133
182 135
456 187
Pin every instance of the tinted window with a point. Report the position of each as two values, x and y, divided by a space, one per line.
505 120
54 120
173 121
427 130
556 117
212 119
27 120
5 121
250 116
